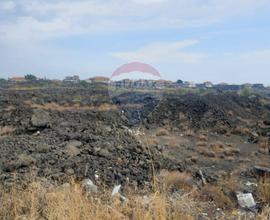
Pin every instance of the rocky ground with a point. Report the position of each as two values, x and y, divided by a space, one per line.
221 139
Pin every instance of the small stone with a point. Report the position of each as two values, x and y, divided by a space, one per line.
65 186
72 148
261 171
104 153
40 118
25 161
246 200
89 187
69 171
116 190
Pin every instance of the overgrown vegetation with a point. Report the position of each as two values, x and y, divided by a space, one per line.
247 91
264 189
70 203
6 130
30 77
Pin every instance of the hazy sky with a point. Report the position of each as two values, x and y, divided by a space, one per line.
196 40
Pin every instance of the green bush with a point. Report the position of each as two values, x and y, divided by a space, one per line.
30 77
246 91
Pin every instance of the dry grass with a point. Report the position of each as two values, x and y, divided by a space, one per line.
10 108
264 189
263 144
173 143
203 138
217 146
229 182
42 201
176 180
74 107
6 130
265 214
189 133
241 131
69 203
201 144
206 152
215 193
162 132
230 152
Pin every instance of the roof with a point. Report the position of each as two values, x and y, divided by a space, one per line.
100 78
17 78
163 81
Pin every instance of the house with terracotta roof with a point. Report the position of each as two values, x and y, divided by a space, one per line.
72 79
17 79
98 79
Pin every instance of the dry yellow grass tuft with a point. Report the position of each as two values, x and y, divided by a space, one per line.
265 214
189 132
264 189
6 130
206 152
215 193
176 180
203 138
73 107
241 131
217 146
162 132
70 203
201 144
263 144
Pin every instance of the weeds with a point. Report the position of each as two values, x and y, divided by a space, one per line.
264 189
176 180
6 130
69 203
162 132
215 193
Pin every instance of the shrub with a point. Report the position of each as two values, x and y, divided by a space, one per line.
246 91
189 133
162 132
207 153
265 214
215 193
264 189
6 130
83 83
69 203
263 144
30 77
201 144
176 180
203 137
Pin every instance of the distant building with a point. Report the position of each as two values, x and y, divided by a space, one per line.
72 79
200 86
189 84
258 86
163 83
228 87
98 79
17 79
208 84
179 82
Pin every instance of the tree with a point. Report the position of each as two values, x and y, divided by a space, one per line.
246 91
30 77
84 83
179 81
